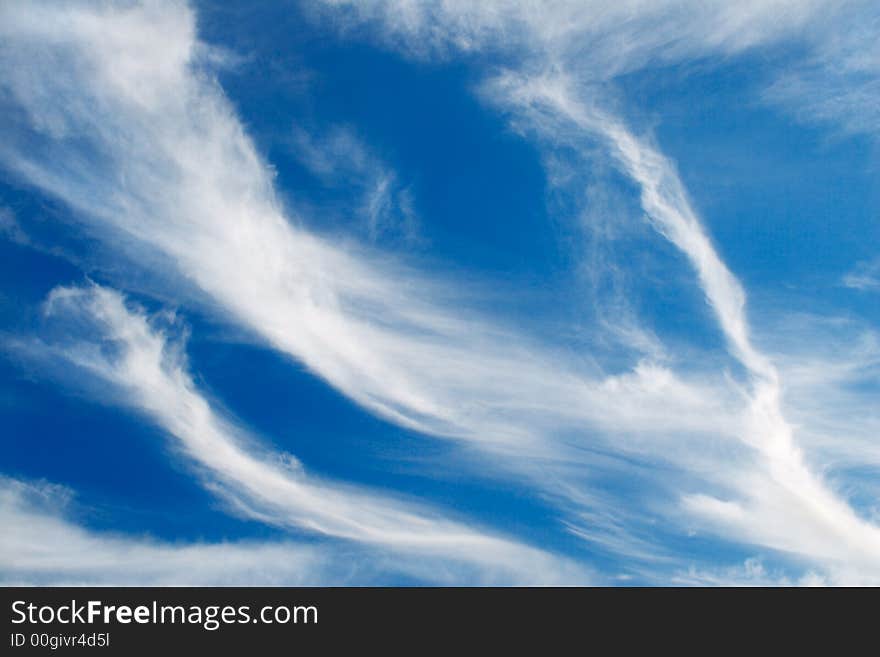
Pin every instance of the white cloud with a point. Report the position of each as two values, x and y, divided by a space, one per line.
838 83
608 38
865 276
134 133
341 159
10 228
786 506
117 346
40 546
751 572
783 504
176 181
826 55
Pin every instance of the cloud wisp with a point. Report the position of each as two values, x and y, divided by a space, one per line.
174 180
133 363
786 506
339 158
118 114
865 277
776 500
40 547
44 547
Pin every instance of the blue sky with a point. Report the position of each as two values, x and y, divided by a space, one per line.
439 292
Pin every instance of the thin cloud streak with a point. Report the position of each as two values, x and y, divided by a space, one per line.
179 183
794 511
118 347
172 175
172 179
43 547
338 157
785 506
40 547
610 37
865 277
149 154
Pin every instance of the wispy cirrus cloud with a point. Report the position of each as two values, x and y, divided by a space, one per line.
565 60
782 487
178 180
338 157
173 179
838 83
42 546
10 228
134 364
865 276
605 38
831 77
752 572
173 176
